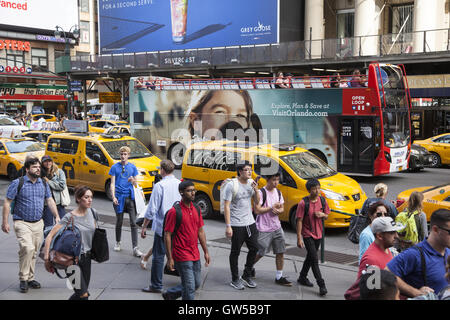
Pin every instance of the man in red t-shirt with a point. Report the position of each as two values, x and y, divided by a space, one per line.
182 245
309 233
378 253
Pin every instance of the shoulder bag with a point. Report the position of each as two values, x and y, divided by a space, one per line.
99 248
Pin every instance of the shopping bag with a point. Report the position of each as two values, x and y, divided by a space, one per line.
141 207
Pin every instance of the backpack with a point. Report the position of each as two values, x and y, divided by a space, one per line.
235 183
65 248
358 223
264 194
409 236
178 218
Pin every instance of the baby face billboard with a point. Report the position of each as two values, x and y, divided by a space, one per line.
305 117
157 25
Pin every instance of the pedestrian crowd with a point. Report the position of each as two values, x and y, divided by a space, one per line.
409 260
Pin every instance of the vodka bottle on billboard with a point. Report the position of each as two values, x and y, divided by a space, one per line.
179 20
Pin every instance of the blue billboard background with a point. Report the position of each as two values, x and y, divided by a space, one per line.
145 25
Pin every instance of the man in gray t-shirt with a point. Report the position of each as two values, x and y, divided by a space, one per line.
240 224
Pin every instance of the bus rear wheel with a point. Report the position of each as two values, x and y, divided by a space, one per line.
202 200
176 154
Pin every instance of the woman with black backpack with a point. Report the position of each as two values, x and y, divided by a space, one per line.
84 221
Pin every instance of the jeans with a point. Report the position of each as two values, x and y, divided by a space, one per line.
85 269
129 207
190 273
249 235
312 259
159 251
48 218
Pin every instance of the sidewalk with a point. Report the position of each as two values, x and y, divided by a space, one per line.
121 278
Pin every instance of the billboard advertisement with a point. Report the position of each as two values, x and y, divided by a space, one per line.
39 14
158 25
304 117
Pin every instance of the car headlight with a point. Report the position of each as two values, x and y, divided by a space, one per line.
141 172
414 152
153 173
333 195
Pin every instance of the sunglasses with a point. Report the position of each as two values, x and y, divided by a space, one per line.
448 231
380 214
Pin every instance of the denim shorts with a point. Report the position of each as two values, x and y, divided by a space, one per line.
274 238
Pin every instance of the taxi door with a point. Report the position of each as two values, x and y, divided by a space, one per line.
94 166
443 148
222 165
3 159
65 154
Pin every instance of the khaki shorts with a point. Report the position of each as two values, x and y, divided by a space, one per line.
274 238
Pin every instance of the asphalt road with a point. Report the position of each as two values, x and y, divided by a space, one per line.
336 239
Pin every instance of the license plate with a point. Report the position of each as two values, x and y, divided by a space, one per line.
400 168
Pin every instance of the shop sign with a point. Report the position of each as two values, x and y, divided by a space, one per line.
15 45
109 97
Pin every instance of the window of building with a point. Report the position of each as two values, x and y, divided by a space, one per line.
39 58
84 32
402 16
84 6
345 23
15 58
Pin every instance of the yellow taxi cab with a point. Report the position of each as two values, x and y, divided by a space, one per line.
434 198
40 135
13 152
87 158
101 126
46 117
208 163
439 147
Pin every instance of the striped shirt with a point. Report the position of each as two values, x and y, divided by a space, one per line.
29 203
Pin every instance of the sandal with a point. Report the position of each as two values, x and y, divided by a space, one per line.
143 263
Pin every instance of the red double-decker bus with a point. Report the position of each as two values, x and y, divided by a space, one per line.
358 124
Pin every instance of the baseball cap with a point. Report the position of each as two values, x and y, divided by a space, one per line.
385 224
46 158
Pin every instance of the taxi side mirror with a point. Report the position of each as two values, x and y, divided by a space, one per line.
2 152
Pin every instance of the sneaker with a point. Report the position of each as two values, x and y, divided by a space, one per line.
304 282
283 281
323 290
237 284
167 296
248 282
33 284
137 253
117 246
23 286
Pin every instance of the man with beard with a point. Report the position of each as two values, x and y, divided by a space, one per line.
28 194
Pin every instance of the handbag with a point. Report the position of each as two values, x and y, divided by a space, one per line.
65 197
99 248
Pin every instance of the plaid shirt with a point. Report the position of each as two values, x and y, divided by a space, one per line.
29 204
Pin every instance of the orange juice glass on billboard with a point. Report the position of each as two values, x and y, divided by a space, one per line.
179 19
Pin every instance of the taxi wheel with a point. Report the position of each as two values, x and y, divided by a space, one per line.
108 190
12 172
202 200
435 160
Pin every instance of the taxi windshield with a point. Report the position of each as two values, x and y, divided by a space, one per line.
138 150
121 123
307 166
24 146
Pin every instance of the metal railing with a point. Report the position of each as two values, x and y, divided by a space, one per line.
431 41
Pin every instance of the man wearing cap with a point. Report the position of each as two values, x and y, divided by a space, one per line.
378 254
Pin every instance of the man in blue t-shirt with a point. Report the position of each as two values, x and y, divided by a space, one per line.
123 178
413 280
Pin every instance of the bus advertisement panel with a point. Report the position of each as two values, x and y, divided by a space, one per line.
156 25
304 117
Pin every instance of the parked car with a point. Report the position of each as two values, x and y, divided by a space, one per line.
13 152
208 163
420 158
439 147
435 198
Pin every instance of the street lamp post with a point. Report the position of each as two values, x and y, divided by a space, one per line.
76 34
